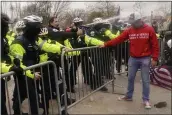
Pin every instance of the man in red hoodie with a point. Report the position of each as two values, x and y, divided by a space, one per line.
144 51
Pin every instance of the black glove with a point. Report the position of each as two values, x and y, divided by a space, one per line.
17 70
162 34
16 67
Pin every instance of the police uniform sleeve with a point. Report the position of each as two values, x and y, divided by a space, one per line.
92 41
55 35
43 57
47 47
110 35
10 39
68 45
5 67
17 51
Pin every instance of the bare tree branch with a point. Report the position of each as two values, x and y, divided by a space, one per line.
138 7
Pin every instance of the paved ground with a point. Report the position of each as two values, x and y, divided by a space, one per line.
107 103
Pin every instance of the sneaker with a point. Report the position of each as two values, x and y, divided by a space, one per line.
147 105
125 98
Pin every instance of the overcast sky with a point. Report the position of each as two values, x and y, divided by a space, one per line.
127 7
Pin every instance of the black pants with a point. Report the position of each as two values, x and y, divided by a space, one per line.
74 64
86 67
121 52
50 78
3 98
23 94
70 76
126 54
105 60
99 58
48 84
118 57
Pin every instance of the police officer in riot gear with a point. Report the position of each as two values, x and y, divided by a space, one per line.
26 52
84 41
5 59
56 35
52 50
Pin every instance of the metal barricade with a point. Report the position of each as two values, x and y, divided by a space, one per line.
35 93
161 48
121 56
85 71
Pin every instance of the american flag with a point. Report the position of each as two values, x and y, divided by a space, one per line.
161 76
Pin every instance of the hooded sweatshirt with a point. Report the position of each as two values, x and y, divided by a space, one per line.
143 42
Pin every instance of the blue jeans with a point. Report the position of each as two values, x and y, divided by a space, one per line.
134 64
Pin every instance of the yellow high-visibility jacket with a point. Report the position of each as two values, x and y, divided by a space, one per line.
73 53
10 37
92 41
111 35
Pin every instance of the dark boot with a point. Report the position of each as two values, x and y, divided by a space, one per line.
70 101
104 89
63 113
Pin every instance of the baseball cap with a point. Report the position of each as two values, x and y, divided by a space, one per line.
134 17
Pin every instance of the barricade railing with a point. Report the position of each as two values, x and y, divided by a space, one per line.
38 91
161 46
121 53
85 71
122 56
80 66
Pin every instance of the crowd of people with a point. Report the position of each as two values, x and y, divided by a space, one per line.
32 43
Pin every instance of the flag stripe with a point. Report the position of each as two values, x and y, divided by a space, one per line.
156 76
